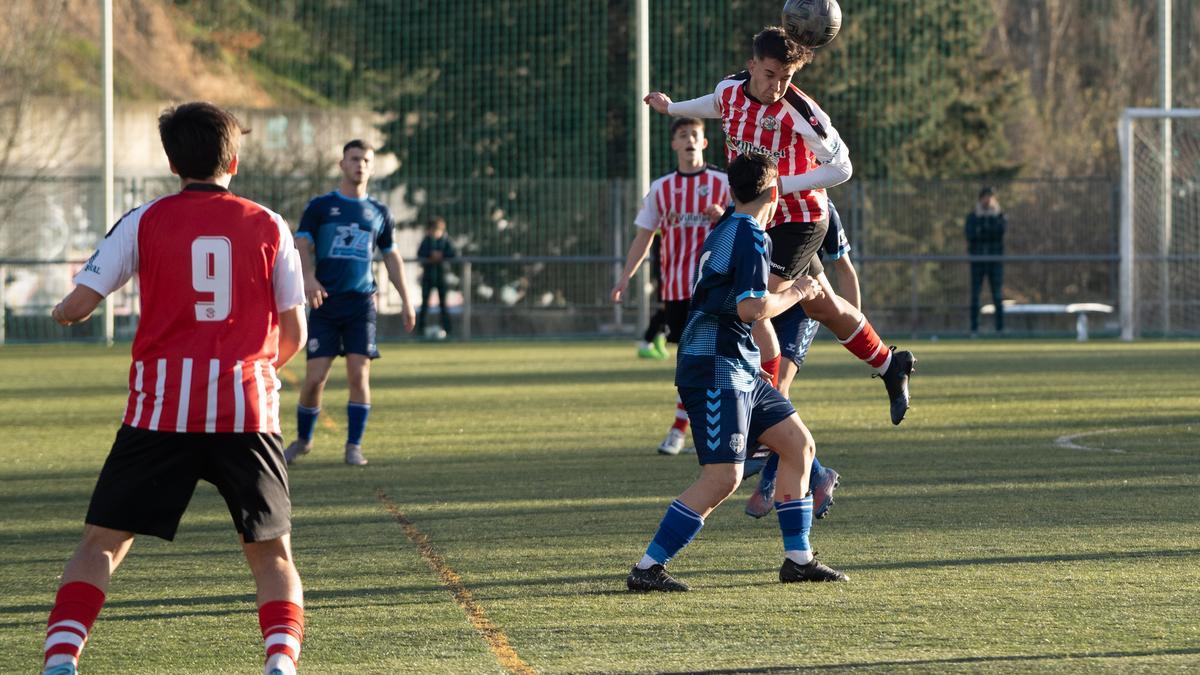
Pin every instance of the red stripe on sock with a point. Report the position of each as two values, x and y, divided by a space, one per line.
772 368
75 601
281 616
867 345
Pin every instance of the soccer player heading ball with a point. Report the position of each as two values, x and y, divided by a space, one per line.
222 310
730 406
763 113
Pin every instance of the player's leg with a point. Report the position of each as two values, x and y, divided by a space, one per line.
249 472
676 314
81 595
423 313
443 307
858 336
721 450
144 488
358 340
794 445
280 598
308 409
648 348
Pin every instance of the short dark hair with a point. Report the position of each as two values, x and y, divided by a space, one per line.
750 175
773 42
680 122
200 139
987 191
434 222
357 143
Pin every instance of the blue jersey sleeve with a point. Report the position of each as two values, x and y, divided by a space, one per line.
310 222
752 266
384 241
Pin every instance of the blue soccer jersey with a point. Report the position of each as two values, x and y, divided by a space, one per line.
346 233
716 350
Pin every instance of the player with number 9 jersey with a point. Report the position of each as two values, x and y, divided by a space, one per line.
214 271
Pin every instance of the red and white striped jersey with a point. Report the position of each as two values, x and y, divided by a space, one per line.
793 130
214 271
675 207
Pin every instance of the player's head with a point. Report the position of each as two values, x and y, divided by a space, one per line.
358 162
201 140
752 180
776 58
436 226
687 139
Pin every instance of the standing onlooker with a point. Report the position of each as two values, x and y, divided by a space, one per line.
436 248
985 236
338 236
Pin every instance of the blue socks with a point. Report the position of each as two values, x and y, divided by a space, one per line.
795 522
356 420
306 418
678 527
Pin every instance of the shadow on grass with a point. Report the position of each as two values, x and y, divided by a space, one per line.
966 660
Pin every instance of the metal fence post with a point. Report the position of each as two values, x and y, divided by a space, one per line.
3 301
467 299
915 303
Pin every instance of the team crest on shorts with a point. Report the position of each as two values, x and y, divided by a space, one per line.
737 443
314 344
769 123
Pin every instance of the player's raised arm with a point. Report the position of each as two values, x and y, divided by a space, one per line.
704 107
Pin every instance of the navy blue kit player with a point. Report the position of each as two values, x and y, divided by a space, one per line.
731 407
338 236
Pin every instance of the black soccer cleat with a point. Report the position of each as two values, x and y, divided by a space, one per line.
896 381
792 572
653 578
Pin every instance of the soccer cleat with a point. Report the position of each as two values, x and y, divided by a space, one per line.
792 572
296 449
354 455
61 669
653 578
646 350
896 381
822 492
672 444
660 346
762 500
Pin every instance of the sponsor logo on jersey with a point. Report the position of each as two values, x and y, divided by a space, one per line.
351 241
335 211
748 148
769 123
91 265
737 442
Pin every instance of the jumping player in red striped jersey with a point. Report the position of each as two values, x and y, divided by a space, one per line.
680 207
762 112
222 297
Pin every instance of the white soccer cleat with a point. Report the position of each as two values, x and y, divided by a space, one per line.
354 455
279 664
295 450
672 444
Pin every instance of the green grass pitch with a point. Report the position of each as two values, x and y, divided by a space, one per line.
974 541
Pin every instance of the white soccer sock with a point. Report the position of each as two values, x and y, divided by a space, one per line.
799 557
281 662
647 562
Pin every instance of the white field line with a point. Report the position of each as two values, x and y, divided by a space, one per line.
1067 442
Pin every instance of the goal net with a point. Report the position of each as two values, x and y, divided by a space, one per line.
1160 222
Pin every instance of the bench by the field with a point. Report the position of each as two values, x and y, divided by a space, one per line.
1079 309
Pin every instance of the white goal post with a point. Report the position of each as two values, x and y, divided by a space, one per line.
1159 237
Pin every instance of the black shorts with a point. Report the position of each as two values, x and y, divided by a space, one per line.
149 477
794 248
677 314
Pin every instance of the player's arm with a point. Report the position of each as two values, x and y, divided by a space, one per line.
313 290
113 264
754 307
704 107
832 154
77 306
646 223
395 269
293 331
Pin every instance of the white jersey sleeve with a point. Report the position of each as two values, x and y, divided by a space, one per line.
287 279
832 154
704 107
648 216
116 258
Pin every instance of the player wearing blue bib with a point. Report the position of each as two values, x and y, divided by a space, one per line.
729 404
337 239
796 332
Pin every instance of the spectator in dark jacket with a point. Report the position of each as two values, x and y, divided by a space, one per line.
985 237
436 248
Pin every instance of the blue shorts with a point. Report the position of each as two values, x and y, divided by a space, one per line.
343 324
796 331
726 421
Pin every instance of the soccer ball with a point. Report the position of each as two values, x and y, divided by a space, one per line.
812 23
